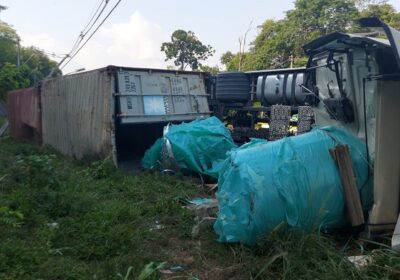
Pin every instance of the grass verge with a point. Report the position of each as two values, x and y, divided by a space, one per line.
64 219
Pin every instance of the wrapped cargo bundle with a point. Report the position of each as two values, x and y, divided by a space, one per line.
293 180
200 146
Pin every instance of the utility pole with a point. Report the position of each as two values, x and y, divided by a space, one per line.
18 52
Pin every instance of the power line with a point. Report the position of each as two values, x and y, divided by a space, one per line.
53 54
71 56
93 13
82 34
86 30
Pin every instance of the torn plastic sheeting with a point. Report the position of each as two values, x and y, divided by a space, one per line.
200 146
152 157
201 201
293 180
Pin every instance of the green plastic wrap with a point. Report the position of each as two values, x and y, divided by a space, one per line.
292 180
151 159
200 146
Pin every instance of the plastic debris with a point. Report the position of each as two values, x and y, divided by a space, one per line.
199 146
203 207
205 210
172 270
201 201
360 262
396 236
293 180
157 226
152 157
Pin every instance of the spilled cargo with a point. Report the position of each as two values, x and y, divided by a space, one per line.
200 146
293 180
264 183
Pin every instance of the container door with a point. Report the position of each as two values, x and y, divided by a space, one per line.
146 96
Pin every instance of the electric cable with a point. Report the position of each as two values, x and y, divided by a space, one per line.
84 32
71 56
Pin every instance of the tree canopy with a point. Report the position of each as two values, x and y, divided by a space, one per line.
385 12
186 50
279 42
34 64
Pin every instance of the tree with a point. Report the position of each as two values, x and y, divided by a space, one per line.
279 42
12 77
274 45
210 69
240 62
186 50
311 19
385 12
226 58
39 64
363 4
35 65
8 41
2 8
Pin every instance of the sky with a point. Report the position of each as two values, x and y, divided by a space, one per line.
133 34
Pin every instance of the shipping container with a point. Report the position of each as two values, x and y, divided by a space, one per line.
24 114
3 109
118 112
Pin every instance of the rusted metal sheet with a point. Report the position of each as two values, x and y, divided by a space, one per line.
77 114
24 114
3 109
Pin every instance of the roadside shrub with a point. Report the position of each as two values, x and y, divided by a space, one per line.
39 170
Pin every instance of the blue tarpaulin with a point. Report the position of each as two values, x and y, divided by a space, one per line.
200 146
292 180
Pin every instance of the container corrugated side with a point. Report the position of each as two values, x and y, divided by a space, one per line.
77 114
3 109
24 114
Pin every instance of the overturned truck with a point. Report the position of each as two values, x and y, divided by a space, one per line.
351 81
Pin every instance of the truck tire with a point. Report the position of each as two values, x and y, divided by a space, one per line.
233 87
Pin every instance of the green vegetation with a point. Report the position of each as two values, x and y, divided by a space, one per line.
279 42
34 65
63 219
186 50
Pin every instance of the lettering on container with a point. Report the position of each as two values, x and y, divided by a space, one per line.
176 86
129 103
193 87
129 83
179 99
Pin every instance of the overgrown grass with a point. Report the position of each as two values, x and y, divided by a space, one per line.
63 219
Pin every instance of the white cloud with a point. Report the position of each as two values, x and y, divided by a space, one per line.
40 40
138 38
134 43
